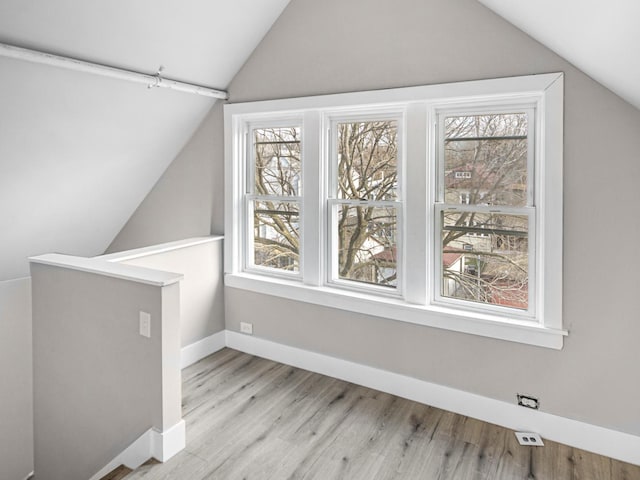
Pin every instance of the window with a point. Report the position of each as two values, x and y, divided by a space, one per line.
364 203
437 205
490 233
273 199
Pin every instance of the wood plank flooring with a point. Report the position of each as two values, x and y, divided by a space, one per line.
254 419
118 473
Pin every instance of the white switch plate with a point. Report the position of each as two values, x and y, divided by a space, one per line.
246 328
529 438
145 324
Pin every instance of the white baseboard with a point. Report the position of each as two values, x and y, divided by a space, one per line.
202 348
603 441
165 445
159 445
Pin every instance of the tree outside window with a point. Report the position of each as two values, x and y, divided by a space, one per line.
485 166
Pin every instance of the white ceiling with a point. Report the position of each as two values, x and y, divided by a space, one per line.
601 38
78 153
200 41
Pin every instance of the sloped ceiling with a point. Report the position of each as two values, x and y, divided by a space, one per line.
78 152
600 38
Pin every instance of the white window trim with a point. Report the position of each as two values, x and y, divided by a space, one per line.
528 104
331 198
417 306
502 311
250 196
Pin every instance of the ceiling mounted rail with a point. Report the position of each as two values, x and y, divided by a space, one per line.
11 51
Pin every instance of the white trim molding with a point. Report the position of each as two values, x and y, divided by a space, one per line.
603 441
108 269
160 248
159 445
202 348
165 445
416 297
436 316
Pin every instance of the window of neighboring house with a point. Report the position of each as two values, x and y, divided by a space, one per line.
438 205
273 200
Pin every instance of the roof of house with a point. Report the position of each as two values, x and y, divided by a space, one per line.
449 258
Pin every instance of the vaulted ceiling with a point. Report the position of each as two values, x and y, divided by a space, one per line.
78 152
600 38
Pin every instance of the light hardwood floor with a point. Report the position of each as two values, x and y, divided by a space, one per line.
254 419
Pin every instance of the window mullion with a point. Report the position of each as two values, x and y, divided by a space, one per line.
312 203
416 194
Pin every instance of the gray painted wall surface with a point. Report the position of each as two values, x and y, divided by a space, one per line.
98 384
201 290
78 153
335 46
16 386
187 201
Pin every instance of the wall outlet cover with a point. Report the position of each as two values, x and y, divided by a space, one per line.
246 328
528 401
529 439
145 324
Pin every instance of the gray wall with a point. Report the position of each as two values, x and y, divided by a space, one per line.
78 153
335 46
187 201
16 386
201 290
98 384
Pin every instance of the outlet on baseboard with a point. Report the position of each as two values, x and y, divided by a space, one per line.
246 328
529 438
528 401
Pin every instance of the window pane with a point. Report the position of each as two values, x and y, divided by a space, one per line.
276 238
485 159
277 161
485 258
368 160
367 244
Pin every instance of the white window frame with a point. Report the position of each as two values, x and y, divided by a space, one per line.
251 196
529 209
417 301
331 198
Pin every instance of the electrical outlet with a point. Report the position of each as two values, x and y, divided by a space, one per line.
145 324
246 328
529 438
528 401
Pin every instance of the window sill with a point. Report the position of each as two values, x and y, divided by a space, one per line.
396 309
